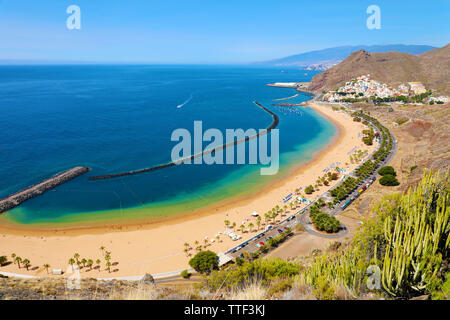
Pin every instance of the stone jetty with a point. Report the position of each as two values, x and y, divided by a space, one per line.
17 198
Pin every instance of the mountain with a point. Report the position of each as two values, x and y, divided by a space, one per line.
326 58
431 68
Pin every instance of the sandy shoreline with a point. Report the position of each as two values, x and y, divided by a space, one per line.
157 246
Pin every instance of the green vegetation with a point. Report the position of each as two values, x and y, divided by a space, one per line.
185 274
368 136
275 241
324 222
413 168
309 189
387 170
389 180
408 241
265 270
401 121
204 261
3 260
365 169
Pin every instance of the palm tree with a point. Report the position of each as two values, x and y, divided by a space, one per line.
26 262
108 266
76 256
18 260
227 223
3 260
242 227
196 243
234 225
71 261
13 256
46 266
218 238
90 263
250 225
83 261
186 245
107 257
186 251
102 248
98 263
205 241
258 222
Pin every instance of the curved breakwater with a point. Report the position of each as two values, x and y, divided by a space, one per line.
272 126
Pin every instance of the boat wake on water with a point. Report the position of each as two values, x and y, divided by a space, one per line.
184 103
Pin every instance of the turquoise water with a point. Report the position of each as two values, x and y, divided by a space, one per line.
120 118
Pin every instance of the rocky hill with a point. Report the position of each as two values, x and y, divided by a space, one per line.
431 68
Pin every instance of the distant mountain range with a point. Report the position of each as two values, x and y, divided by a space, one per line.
431 68
326 58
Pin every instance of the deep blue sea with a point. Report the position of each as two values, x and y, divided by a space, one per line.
119 118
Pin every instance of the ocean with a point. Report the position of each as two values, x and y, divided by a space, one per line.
115 118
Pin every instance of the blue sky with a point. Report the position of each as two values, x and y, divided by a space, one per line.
209 31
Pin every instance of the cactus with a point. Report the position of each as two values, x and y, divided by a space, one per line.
409 240
418 237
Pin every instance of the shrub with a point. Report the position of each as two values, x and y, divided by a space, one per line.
263 270
309 189
3 260
204 261
387 170
413 168
389 180
185 274
325 222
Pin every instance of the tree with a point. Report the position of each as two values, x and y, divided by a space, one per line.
72 261
83 261
389 180
102 248
108 266
185 274
387 170
250 225
97 262
46 267
18 260
26 262
76 256
309 189
90 263
3 260
227 223
204 261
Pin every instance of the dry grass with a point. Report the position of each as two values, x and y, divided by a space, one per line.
252 291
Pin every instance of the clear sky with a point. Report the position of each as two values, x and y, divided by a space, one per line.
209 31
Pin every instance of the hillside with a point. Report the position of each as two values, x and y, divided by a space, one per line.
322 59
431 68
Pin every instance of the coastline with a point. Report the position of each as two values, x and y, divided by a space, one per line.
157 247
146 223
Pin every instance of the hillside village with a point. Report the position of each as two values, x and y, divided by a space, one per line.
363 87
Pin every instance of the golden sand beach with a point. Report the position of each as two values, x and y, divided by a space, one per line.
157 247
